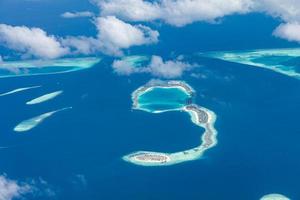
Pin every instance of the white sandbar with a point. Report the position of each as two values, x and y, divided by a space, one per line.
44 98
18 90
200 116
274 197
29 124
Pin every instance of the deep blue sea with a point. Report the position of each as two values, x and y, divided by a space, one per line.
78 152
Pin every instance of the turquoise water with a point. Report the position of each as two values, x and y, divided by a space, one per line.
78 152
40 67
36 71
284 61
254 155
136 61
161 99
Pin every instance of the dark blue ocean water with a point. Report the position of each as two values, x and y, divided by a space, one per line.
78 152
257 122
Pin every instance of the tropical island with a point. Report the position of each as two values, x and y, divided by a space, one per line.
160 96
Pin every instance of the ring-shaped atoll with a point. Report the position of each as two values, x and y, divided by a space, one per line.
164 96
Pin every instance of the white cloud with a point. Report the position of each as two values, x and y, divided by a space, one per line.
10 189
41 188
77 14
132 10
289 31
175 12
287 10
123 67
81 44
168 69
183 12
115 35
31 41
157 67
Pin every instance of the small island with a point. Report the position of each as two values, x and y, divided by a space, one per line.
274 197
180 97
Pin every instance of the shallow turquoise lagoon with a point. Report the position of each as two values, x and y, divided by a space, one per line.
162 99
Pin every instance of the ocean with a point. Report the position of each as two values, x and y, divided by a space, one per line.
78 152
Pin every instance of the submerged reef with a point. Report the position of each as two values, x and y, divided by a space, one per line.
284 61
18 90
31 123
159 96
39 67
